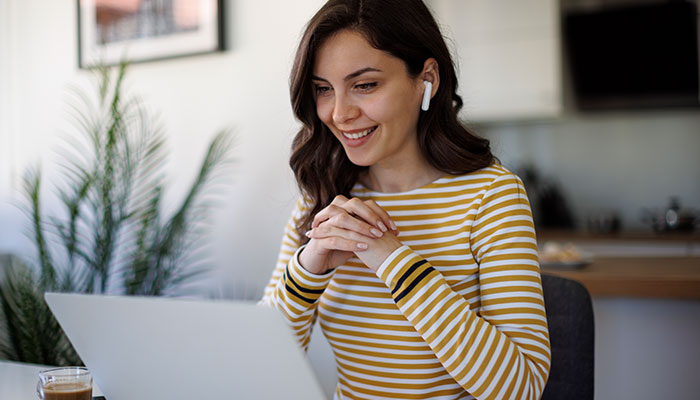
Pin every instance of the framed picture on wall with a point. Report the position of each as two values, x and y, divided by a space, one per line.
110 31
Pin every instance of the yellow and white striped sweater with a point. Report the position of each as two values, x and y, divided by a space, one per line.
456 312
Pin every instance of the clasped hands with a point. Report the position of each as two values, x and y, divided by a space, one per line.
349 227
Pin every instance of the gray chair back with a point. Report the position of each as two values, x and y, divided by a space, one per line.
571 334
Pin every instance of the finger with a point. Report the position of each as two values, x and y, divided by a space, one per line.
334 238
382 214
339 200
359 230
361 210
326 214
341 217
350 223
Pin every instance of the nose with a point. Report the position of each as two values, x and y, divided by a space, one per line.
344 110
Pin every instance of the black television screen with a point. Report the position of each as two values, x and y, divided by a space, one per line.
644 56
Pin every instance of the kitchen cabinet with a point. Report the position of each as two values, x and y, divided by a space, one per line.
508 55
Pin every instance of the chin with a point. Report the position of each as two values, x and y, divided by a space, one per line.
359 161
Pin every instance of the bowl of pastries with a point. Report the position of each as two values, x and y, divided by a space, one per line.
563 255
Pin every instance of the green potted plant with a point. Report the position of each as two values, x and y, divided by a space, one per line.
112 235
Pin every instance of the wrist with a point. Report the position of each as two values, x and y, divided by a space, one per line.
305 261
376 255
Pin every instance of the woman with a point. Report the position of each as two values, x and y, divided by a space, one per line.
413 248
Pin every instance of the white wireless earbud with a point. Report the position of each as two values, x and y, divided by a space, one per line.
426 95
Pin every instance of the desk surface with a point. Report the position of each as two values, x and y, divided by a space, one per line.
651 277
18 381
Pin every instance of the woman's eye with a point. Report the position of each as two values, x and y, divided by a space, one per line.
365 87
321 90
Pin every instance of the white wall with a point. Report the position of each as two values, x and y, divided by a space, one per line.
244 88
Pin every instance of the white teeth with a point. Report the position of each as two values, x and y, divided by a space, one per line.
359 134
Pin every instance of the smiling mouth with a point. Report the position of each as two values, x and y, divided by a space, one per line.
359 135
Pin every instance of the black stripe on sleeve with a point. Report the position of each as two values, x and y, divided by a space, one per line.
294 292
414 283
301 288
407 274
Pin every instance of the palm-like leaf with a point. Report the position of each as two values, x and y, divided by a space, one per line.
33 333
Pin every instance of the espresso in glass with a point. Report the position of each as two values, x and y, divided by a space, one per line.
68 383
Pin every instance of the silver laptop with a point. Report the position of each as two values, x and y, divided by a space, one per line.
155 348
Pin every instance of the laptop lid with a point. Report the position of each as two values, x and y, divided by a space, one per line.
159 348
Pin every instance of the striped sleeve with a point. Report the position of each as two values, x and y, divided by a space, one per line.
500 350
293 290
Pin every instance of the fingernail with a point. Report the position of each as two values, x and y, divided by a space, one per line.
362 246
393 226
382 226
308 234
376 232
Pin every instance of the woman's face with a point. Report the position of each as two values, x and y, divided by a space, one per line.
368 100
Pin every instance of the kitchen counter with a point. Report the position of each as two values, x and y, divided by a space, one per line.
651 277
638 264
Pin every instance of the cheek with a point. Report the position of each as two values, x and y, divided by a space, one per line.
379 109
324 110
390 108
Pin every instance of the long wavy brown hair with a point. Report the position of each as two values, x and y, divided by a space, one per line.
407 30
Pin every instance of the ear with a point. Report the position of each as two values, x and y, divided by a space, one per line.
431 73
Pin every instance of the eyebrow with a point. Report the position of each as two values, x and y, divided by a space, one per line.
351 75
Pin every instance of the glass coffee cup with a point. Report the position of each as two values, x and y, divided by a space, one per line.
65 383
